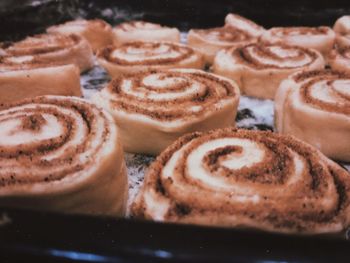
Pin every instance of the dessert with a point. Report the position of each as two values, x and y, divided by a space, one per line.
259 68
20 79
321 38
97 32
51 48
339 59
314 106
154 108
210 41
246 179
61 154
143 31
135 57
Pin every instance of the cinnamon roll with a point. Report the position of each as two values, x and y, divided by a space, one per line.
97 32
320 38
143 31
339 59
61 154
342 25
315 107
342 29
259 68
135 57
343 41
20 79
210 41
51 48
250 179
154 108
244 24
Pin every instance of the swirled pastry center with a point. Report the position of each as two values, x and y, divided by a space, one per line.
170 95
48 139
274 56
295 32
239 177
41 44
147 53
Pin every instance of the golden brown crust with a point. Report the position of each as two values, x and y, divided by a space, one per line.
271 193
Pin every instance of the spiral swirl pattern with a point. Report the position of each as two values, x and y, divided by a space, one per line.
171 101
273 56
53 148
258 68
320 38
315 106
54 49
246 178
40 65
224 34
139 56
210 41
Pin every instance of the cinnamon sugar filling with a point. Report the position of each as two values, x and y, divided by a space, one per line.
244 56
33 155
183 53
302 209
211 91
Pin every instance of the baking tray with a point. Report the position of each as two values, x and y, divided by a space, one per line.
48 237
